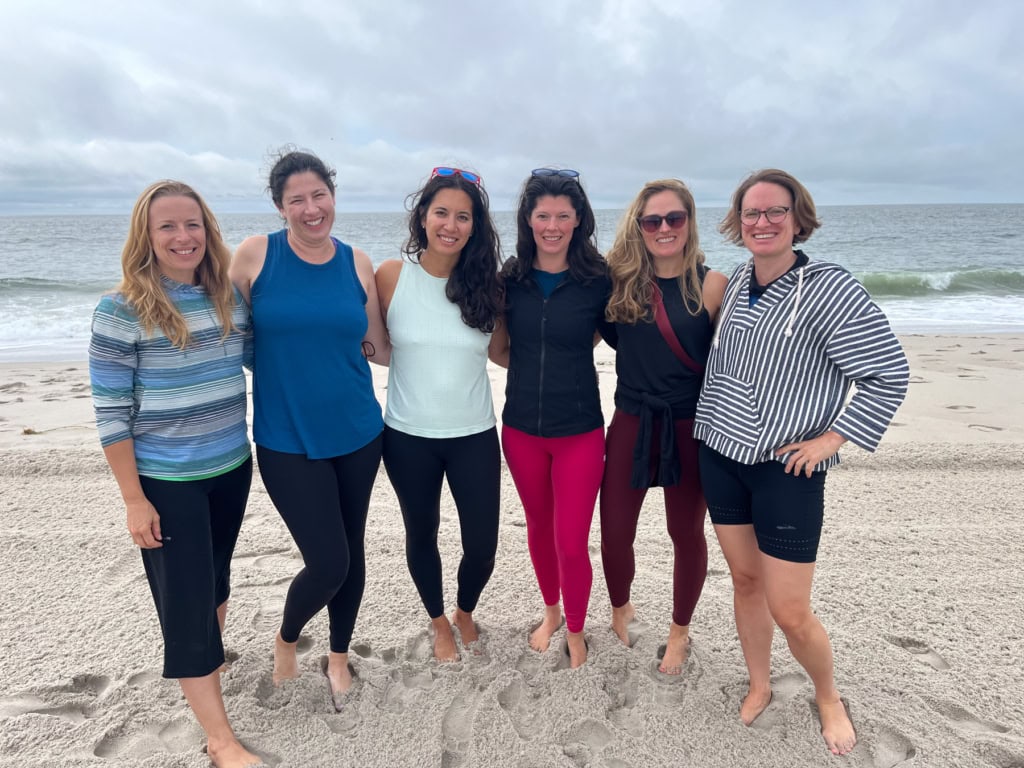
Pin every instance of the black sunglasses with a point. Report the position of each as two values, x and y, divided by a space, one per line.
652 223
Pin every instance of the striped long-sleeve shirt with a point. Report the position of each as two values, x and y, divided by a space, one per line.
782 370
184 409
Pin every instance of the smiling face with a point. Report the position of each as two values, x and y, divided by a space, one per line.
307 205
178 236
553 221
766 240
448 222
666 245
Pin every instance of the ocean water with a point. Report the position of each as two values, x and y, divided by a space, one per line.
933 268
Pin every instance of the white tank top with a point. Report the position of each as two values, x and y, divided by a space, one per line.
437 379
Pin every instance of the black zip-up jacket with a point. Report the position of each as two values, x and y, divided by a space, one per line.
552 389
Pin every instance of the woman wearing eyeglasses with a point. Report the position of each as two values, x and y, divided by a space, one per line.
441 305
556 289
316 422
663 304
796 335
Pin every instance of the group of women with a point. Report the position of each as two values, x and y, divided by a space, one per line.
731 395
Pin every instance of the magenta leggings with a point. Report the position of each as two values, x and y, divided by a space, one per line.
684 511
558 479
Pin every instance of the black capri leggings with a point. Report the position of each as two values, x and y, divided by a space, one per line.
417 466
190 574
324 503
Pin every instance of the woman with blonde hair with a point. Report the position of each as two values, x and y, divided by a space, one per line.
165 361
663 304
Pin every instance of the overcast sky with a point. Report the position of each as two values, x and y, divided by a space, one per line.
876 101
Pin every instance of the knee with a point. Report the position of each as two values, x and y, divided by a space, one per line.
747 584
330 574
794 618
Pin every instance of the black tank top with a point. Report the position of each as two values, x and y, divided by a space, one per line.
645 364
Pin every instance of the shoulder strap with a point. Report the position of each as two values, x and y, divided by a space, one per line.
661 318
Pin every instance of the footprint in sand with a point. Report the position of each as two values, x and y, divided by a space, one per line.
960 407
961 718
529 663
984 428
621 689
586 740
140 679
971 376
511 699
268 616
889 749
919 380
921 652
176 736
457 730
420 647
73 702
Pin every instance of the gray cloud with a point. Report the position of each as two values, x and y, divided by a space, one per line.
869 103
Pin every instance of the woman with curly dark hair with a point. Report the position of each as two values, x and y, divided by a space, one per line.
440 306
556 289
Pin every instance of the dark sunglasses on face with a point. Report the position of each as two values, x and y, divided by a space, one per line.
568 173
441 170
652 223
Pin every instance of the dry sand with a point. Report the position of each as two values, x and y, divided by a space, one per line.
919 583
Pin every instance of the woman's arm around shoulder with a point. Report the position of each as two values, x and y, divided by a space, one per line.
376 344
500 344
714 292
247 263
386 280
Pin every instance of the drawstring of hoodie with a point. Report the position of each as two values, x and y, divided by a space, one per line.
731 299
796 304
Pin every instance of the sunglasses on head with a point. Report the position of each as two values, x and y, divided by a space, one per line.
568 173
652 223
441 170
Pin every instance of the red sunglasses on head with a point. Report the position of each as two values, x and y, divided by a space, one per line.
441 170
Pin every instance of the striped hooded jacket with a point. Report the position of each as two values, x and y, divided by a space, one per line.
783 370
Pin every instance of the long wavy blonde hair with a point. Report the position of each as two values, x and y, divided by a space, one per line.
140 283
632 267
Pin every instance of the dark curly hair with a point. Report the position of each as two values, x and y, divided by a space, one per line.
473 284
286 163
585 261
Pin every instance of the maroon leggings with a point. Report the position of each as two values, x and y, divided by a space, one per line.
684 511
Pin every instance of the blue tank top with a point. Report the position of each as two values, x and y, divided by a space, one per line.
312 387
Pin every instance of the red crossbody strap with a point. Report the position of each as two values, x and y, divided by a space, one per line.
661 318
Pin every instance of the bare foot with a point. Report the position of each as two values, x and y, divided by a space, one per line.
621 618
339 677
840 737
229 753
577 645
467 627
754 703
540 638
444 640
286 663
677 649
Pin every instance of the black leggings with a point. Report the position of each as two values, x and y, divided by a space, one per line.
190 574
417 466
324 504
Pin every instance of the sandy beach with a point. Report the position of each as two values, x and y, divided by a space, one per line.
919 583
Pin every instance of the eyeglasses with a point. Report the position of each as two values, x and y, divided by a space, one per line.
441 170
568 173
652 223
775 215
